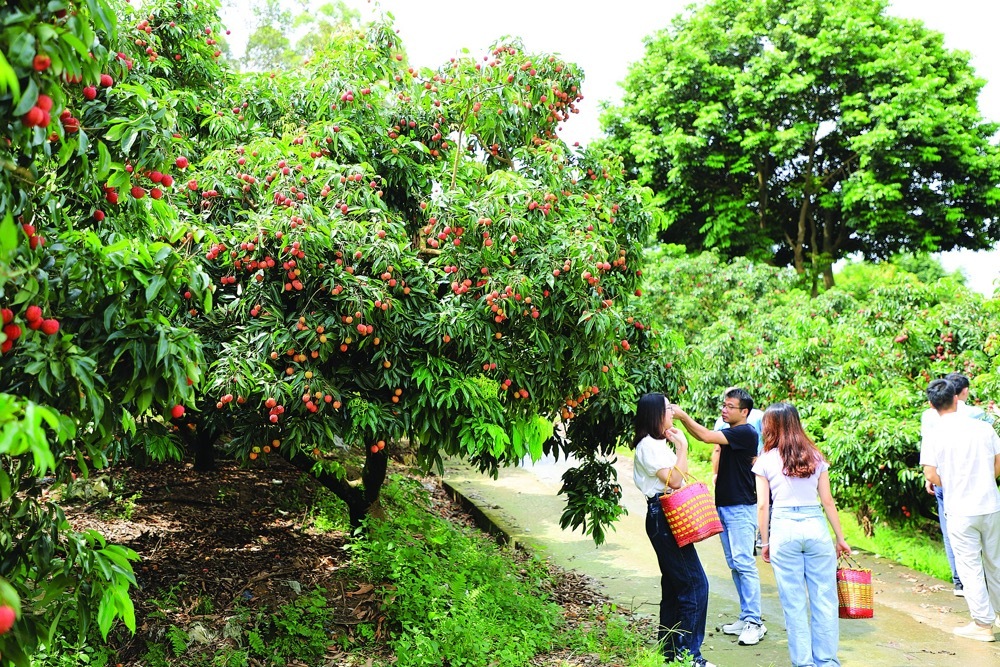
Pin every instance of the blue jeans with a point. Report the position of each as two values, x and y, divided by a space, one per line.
683 589
939 495
739 523
805 563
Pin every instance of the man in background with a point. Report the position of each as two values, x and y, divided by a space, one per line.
962 455
927 421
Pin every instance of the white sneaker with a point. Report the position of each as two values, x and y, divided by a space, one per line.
997 622
752 634
733 628
975 631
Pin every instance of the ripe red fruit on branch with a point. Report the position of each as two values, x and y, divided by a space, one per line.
33 314
89 92
12 331
107 81
36 117
41 62
177 411
7 618
7 315
50 327
138 192
181 162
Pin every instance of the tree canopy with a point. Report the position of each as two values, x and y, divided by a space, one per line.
800 131
334 263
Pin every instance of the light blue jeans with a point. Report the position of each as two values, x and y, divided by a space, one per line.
739 523
805 563
943 521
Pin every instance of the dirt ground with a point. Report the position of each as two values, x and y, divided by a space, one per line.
211 540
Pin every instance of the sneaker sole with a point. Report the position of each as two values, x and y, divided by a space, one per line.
978 638
763 631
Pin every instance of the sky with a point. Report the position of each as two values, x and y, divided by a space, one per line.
605 37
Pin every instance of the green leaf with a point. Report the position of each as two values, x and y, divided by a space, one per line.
8 79
103 161
8 238
28 100
154 287
105 15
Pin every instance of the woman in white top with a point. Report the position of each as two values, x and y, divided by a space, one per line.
793 474
683 584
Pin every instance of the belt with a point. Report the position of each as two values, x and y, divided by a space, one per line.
653 498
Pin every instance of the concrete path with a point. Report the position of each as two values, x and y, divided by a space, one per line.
914 613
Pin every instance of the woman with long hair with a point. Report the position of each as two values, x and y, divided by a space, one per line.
658 469
792 473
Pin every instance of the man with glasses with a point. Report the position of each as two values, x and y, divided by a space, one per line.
736 500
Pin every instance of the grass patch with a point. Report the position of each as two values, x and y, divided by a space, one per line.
906 544
456 597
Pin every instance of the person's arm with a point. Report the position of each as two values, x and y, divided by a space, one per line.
924 428
764 515
996 465
696 430
674 477
826 497
716 453
931 475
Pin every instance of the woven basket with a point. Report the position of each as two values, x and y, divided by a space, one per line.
691 513
854 590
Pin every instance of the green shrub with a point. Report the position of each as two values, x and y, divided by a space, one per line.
455 597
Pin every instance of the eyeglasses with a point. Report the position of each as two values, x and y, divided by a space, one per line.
726 406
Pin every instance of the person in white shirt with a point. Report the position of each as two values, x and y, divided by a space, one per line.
927 421
793 474
962 455
683 585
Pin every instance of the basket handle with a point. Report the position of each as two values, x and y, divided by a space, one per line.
851 562
686 477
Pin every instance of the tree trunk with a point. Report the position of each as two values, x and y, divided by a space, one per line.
800 239
828 276
200 441
829 248
361 500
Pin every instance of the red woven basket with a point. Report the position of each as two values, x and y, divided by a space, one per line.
854 590
691 513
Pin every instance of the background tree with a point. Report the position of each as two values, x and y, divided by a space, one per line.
856 360
803 131
269 45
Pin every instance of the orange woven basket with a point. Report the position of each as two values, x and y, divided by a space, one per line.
854 590
690 513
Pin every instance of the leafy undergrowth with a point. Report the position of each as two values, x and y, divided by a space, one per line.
916 544
257 568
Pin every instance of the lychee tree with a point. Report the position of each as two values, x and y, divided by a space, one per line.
374 258
91 353
414 257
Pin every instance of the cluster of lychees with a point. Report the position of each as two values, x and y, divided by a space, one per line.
35 321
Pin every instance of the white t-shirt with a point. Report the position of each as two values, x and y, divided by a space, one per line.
788 491
964 450
651 455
